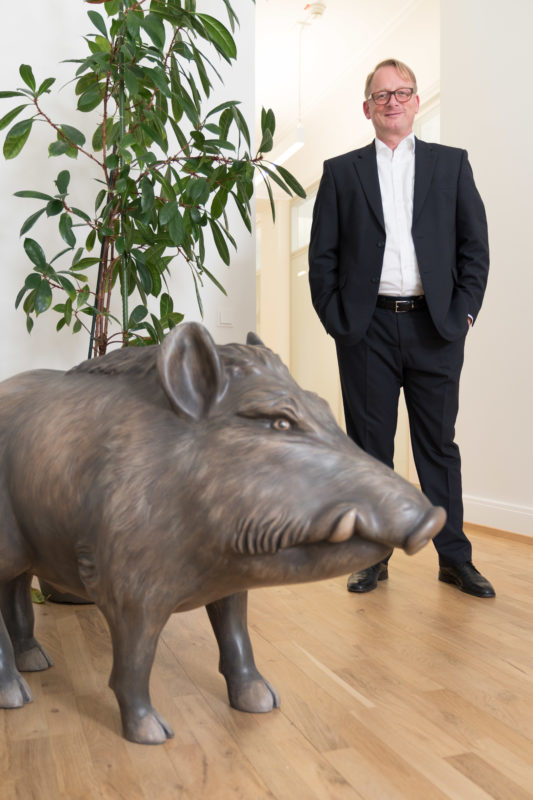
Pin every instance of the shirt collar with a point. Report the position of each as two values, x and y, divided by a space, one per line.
406 146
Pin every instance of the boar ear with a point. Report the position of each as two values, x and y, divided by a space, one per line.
190 370
253 338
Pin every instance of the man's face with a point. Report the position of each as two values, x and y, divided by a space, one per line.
394 119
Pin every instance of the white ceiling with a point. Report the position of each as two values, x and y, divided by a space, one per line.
330 46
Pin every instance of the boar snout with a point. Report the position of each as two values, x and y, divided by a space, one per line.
356 522
432 522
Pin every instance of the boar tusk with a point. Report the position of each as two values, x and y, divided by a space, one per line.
344 528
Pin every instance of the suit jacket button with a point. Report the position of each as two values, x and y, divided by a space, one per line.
381 243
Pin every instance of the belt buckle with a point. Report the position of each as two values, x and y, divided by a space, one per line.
397 309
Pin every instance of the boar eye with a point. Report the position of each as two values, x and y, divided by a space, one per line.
282 424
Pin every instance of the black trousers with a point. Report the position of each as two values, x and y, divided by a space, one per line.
405 350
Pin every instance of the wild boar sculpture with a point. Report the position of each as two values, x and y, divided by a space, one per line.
159 479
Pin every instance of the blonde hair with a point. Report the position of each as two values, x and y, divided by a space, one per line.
403 69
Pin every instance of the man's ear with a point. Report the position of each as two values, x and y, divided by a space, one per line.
366 109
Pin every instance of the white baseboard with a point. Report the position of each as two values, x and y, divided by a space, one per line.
494 514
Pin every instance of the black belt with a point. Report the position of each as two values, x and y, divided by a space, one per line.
401 304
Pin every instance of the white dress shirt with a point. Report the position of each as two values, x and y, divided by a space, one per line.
396 171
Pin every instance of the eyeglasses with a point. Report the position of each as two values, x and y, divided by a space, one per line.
402 95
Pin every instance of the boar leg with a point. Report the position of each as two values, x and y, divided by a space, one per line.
17 610
14 691
134 634
247 689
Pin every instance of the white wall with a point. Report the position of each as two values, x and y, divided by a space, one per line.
44 34
485 68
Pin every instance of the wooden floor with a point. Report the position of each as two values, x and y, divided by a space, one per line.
413 691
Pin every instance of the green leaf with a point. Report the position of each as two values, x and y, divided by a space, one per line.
90 99
198 190
156 278
58 148
242 211
65 229
33 281
4 95
62 181
35 195
100 44
20 296
144 277
131 82
100 197
222 106
45 86
30 222
166 305
35 252
73 134
53 208
267 142
68 309
112 161
84 263
79 213
155 29
159 330
43 297
83 296
268 121
241 124
137 315
220 36
147 197
26 74
168 211
220 242
133 23
219 202
272 175
67 286
17 138
176 229
29 323
98 22
291 181
89 242
112 7
155 136
10 116
271 197
214 280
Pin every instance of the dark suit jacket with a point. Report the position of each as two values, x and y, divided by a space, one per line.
348 240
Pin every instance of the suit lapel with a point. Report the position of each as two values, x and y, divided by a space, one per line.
425 158
367 169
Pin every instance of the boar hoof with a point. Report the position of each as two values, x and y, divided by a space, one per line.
257 696
151 728
15 693
34 659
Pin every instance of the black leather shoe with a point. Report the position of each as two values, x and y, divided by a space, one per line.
467 578
367 579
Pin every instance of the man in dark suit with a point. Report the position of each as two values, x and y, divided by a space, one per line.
398 264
